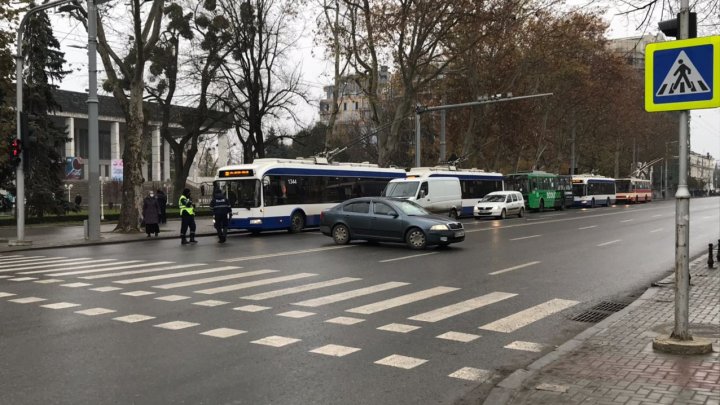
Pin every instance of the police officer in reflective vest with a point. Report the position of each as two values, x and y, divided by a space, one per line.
222 212
187 214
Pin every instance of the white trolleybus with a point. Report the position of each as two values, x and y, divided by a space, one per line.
633 190
474 183
272 194
592 191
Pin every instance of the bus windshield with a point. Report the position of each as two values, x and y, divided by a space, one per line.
241 193
578 190
517 183
401 189
623 186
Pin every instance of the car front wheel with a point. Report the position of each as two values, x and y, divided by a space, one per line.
341 234
416 239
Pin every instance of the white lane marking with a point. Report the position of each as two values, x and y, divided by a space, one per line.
296 314
73 264
527 237
401 300
545 216
27 300
404 362
345 320
132 272
656 230
609 243
520 266
406 257
472 374
172 298
223 332
461 307
587 227
4 294
60 305
9 257
298 289
139 293
95 311
251 308
250 284
173 275
275 341
458 336
176 325
335 350
707 217
398 328
105 289
526 317
95 270
49 281
94 265
75 285
210 303
657 215
525 346
49 263
22 279
295 252
626 220
27 262
213 279
1 277
133 318
329 299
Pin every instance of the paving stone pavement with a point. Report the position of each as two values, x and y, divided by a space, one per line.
614 362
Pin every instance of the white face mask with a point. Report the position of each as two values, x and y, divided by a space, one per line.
152 195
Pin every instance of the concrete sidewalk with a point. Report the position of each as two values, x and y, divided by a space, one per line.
614 362
58 235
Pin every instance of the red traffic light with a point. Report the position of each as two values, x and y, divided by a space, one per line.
16 148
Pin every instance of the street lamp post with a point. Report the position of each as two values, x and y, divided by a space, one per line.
68 187
102 206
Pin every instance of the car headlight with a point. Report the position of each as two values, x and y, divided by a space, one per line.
439 228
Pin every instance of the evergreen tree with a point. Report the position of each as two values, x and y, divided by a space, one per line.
44 139
8 17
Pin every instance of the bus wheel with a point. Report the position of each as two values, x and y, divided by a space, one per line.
453 214
542 206
607 202
521 213
341 234
297 222
592 203
415 238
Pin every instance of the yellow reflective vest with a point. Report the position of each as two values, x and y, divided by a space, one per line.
185 205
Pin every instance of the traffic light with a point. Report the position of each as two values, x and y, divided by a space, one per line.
671 28
15 152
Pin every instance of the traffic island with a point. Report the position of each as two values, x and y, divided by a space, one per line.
683 347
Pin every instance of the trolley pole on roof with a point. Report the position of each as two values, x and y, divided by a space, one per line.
486 99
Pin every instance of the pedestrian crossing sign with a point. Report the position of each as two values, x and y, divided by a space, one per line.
682 75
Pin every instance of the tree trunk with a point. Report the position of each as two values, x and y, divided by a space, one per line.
389 150
129 220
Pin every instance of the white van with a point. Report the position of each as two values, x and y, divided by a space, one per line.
440 195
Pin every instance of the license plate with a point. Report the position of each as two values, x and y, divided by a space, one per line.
459 234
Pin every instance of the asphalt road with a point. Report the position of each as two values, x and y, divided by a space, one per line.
294 319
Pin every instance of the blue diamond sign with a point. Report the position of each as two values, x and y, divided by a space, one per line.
682 75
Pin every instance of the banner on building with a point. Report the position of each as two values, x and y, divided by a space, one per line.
116 173
74 168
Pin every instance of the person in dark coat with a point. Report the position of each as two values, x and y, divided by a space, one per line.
151 215
162 202
222 213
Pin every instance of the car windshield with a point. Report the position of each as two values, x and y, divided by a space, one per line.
494 198
401 189
410 208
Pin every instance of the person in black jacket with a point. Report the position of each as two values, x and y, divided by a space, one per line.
162 203
222 212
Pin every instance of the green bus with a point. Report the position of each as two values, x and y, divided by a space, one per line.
539 189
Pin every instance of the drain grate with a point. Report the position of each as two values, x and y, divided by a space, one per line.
599 312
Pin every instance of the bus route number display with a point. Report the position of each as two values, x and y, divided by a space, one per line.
237 173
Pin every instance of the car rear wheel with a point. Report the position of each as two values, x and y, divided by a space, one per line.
341 234
297 222
416 239
521 213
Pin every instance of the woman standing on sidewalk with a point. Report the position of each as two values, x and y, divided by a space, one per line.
151 215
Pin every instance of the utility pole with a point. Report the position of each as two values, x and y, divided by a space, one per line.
93 135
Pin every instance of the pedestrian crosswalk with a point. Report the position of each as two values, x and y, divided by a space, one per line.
351 302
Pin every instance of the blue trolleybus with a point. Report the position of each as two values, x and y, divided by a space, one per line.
273 194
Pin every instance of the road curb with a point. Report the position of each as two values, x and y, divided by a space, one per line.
504 391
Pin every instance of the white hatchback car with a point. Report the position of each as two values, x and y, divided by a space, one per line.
500 204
